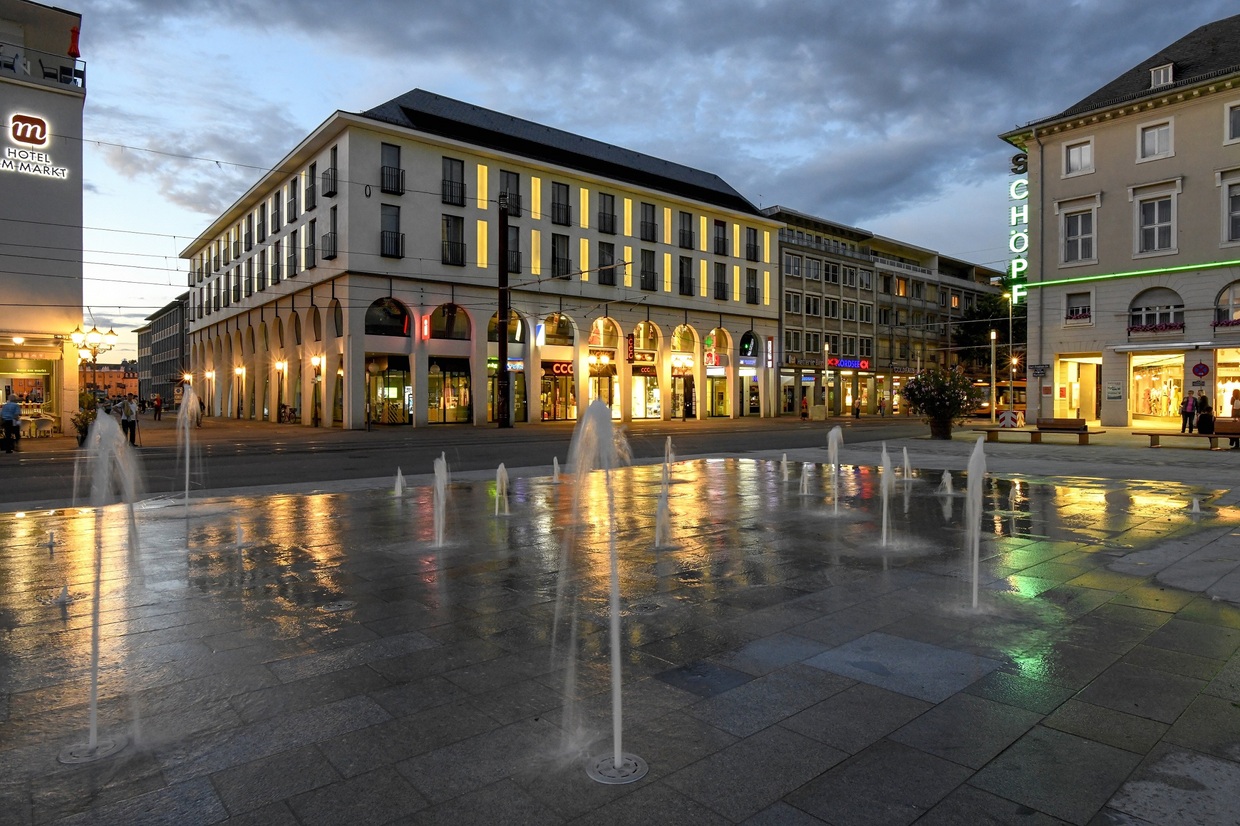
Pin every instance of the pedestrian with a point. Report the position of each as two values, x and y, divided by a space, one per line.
158 404
10 420
857 408
804 408
1188 413
202 410
129 418
1205 415
882 404
1235 414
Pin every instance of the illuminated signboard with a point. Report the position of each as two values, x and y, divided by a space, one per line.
31 132
1018 226
849 364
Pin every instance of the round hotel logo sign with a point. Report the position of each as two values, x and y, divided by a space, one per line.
28 129
32 134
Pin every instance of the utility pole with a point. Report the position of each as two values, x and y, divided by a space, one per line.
503 380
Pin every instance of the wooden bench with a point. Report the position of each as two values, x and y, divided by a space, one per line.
1075 427
1223 429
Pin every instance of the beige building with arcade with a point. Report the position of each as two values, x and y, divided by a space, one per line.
1126 224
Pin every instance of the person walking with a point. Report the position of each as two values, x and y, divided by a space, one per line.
1188 413
129 419
1205 415
158 405
10 420
1235 414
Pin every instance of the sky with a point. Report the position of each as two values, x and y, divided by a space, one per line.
882 115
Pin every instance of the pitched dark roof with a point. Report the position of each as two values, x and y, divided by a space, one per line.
448 118
1209 51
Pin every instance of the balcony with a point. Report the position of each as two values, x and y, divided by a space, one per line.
721 289
236 249
310 255
453 192
249 240
275 272
392 180
454 253
41 68
392 244
898 265
686 239
752 252
312 199
292 264
329 182
514 203
292 209
649 280
721 245
686 285
561 267
514 260
561 213
607 222
751 295
262 227
650 231
329 246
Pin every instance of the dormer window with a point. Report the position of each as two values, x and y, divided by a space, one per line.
1160 76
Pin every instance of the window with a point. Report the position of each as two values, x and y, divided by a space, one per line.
686 231
850 346
721 238
312 175
1231 123
865 348
561 264
261 215
249 232
650 227
830 272
607 213
919 290
1227 308
1078 237
293 187
813 269
293 269
391 176
830 308
561 209
1078 158
606 263
884 316
275 213
792 341
249 277
752 251
884 284
792 303
1161 76
277 249
721 281
850 310
514 248
1078 308
686 275
1232 217
865 280
391 241
751 286
1155 141
261 268
850 276
1155 224
813 306
510 188
453 184
792 265
329 239
453 234
813 342
310 249
1156 310
649 275
865 313
901 287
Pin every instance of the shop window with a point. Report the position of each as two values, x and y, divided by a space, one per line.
451 322
1227 307
387 317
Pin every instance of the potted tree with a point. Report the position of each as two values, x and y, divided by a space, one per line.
88 408
943 397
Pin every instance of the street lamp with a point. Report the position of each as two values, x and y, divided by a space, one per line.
210 377
826 372
1011 352
281 366
240 373
993 401
317 363
90 344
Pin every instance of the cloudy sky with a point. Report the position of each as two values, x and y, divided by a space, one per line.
881 114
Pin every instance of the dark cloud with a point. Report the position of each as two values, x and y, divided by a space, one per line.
835 108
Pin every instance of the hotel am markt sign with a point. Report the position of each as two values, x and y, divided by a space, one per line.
31 133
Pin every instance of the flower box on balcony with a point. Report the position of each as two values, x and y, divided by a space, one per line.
1225 323
1166 327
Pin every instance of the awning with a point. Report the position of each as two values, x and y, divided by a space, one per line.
1163 345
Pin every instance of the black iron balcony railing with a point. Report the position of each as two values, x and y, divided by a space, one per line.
514 260
310 254
312 198
514 203
561 213
454 253
650 231
751 252
236 249
686 285
329 182
607 275
649 280
392 244
721 245
561 267
751 295
249 240
453 192
607 222
686 239
262 227
721 289
392 180
329 246
292 264
275 272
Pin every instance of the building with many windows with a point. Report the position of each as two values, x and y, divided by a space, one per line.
870 309
1126 222
42 93
162 359
358 281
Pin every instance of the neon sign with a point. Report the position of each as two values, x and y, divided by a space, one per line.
1018 219
33 132
849 364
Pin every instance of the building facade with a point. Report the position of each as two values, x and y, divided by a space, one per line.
42 93
162 355
860 312
358 282
1126 223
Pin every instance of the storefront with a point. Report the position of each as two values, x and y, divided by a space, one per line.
516 378
1157 386
1227 383
646 397
603 382
389 392
559 392
448 394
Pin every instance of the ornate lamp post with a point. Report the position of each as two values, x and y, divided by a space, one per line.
240 373
281 366
210 377
90 344
317 363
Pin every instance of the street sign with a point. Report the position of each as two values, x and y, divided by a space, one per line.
1199 384
1039 370
1201 370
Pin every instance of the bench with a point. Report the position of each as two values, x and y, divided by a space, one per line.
1223 429
1075 427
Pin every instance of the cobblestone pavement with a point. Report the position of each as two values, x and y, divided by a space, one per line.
313 655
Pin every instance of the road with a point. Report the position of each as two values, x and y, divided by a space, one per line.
245 454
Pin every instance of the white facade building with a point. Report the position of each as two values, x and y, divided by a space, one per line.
358 281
